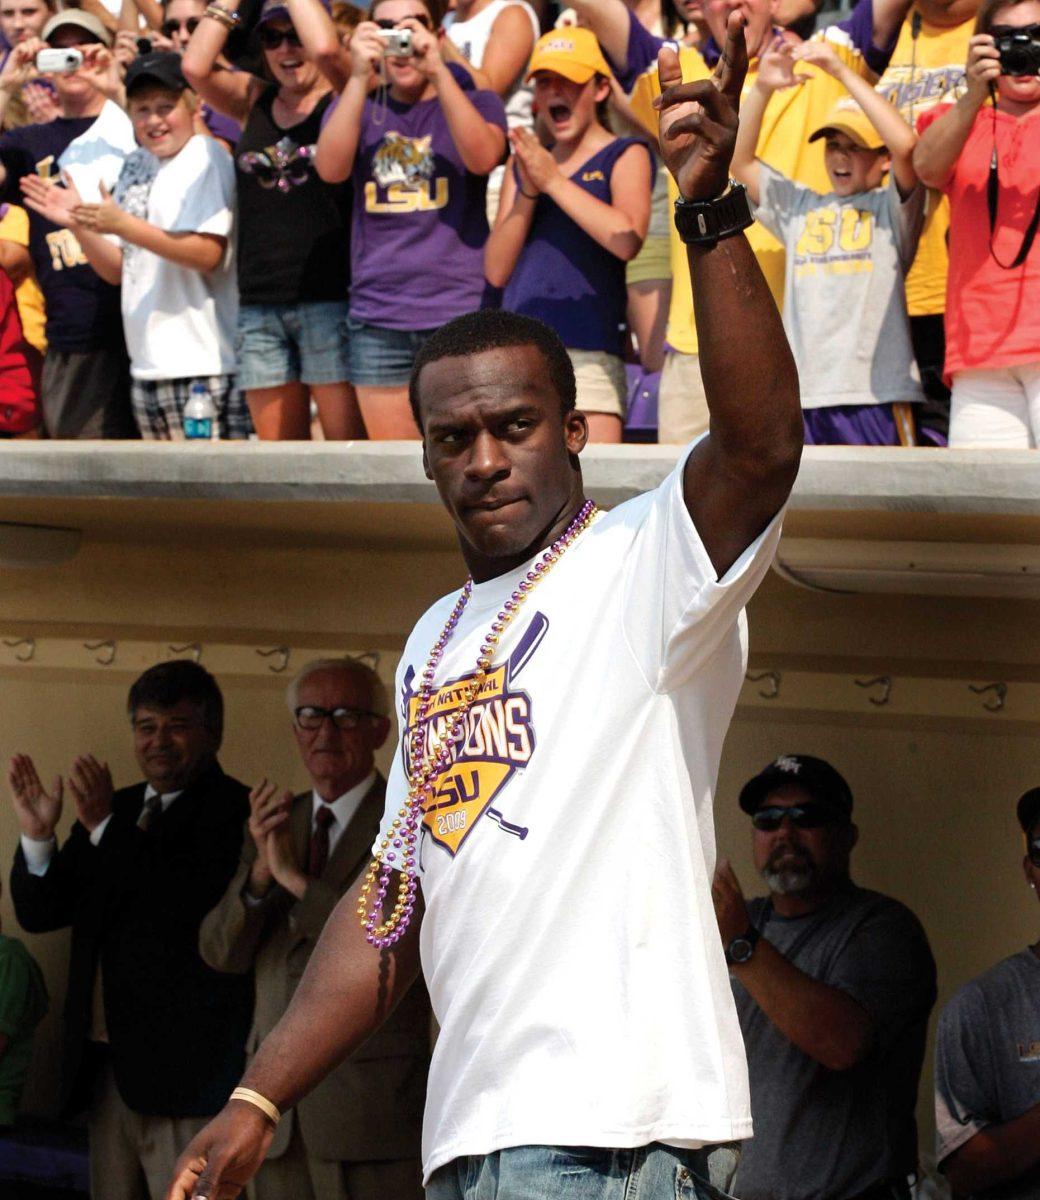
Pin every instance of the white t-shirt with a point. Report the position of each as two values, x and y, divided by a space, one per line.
179 323
570 944
98 154
471 38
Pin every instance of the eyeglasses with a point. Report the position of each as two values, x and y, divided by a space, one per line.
271 39
310 716
801 816
1033 851
169 28
424 21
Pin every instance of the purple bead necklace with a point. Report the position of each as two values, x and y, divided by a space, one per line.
397 850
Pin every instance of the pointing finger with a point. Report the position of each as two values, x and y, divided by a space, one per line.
669 69
732 66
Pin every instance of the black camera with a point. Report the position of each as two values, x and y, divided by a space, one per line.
1019 49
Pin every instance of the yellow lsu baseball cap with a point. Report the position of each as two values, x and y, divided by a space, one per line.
847 117
572 53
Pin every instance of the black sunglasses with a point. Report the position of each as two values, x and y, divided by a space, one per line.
801 816
1033 850
310 716
271 39
386 23
169 28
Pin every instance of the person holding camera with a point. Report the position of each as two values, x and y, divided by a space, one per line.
419 152
982 152
293 228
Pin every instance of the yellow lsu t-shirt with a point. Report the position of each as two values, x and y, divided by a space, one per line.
791 116
14 227
926 71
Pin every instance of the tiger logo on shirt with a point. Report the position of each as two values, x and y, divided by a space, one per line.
496 740
403 169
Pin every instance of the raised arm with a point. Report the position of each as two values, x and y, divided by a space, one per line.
338 140
893 130
231 92
940 145
131 12
59 204
515 213
609 20
320 39
740 475
888 16
346 993
508 49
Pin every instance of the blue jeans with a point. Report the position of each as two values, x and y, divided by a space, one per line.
652 1172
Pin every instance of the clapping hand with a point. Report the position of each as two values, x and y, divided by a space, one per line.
698 121
55 203
41 103
282 860
38 811
268 809
105 217
90 783
537 167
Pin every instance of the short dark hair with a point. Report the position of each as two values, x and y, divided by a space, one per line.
496 329
988 9
168 683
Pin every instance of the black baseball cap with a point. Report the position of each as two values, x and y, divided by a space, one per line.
822 781
162 67
1029 810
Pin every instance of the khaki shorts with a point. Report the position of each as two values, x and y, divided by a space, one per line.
653 264
602 382
682 408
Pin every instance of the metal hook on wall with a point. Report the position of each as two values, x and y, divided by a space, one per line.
999 691
886 688
28 644
192 648
774 678
369 657
107 655
281 653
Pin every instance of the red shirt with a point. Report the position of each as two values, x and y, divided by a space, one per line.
19 410
992 315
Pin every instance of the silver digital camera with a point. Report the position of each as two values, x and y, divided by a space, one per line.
59 62
397 43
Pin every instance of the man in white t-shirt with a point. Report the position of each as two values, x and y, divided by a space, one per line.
563 718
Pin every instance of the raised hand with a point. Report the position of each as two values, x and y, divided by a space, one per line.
731 909
90 783
101 68
282 859
819 53
983 67
267 810
20 66
105 217
366 50
37 810
41 103
55 203
538 169
698 121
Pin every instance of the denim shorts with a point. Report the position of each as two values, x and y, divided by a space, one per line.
383 357
654 1172
285 343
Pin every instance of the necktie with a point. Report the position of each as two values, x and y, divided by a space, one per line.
323 818
152 808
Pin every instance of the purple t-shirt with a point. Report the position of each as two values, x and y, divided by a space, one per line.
564 276
419 221
643 46
221 126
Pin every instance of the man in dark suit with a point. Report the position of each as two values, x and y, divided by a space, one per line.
154 1039
356 1136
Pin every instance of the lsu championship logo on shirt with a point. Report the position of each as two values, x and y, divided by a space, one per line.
835 240
496 739
402 168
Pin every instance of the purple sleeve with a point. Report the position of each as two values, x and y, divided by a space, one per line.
643 48
859 27
489 105
221 126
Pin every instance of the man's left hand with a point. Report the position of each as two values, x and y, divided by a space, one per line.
698 122
731 909
90 784
282 861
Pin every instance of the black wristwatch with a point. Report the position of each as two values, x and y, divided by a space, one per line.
740 950
706 222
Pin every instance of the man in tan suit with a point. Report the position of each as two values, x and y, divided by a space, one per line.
356 1136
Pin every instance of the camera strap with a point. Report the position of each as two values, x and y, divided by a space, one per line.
993 200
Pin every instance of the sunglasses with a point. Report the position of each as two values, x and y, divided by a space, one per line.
424 21
1033 850
169 28
801 816
271 39
310 716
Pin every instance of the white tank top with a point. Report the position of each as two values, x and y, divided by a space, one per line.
471 38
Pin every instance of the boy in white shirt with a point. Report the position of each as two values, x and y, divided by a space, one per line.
165 234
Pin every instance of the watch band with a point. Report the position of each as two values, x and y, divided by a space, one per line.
741 949
707 222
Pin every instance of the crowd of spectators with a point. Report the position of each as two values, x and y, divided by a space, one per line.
834 983
268 209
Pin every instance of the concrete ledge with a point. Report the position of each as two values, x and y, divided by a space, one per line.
832 478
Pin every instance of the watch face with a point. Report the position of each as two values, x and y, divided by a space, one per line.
740 950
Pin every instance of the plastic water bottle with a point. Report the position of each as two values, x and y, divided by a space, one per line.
200 415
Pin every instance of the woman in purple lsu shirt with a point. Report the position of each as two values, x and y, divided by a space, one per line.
570 219
418 149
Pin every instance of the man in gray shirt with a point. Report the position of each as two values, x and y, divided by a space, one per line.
987 1065
833 985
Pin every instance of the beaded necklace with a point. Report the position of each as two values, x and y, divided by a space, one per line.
402 839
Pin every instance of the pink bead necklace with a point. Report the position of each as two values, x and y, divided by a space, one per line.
397 850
